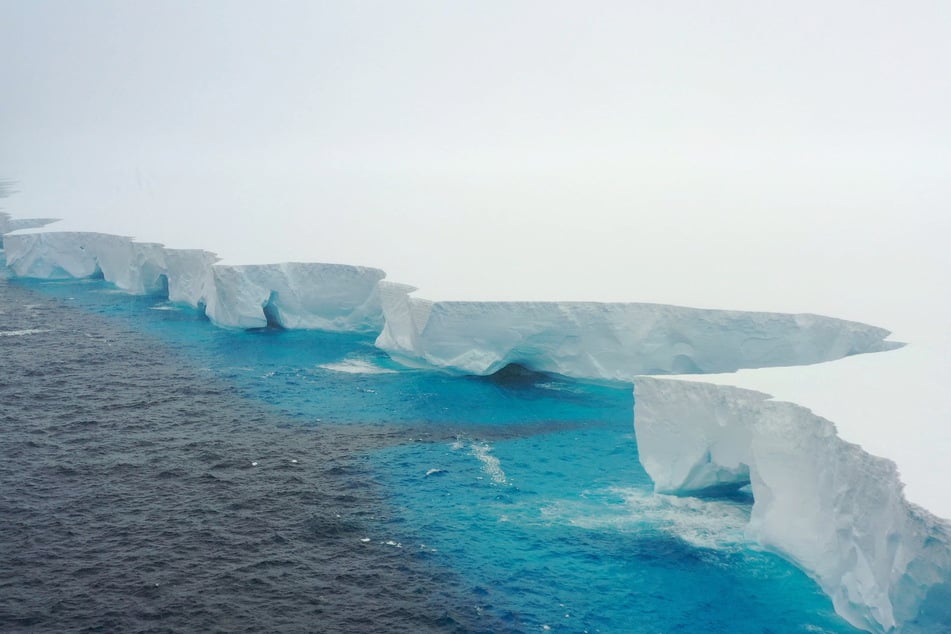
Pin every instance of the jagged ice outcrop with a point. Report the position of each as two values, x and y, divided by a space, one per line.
836 511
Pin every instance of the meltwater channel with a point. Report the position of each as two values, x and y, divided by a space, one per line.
161 474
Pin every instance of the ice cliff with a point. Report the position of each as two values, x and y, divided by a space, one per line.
296 295
612 342
290 295
827 505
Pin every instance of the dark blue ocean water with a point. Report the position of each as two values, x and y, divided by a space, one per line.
161 474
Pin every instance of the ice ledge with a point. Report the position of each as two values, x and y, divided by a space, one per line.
836 511
610 342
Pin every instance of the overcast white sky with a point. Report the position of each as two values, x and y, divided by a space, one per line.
786 156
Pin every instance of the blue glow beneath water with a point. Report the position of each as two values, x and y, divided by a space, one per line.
528 487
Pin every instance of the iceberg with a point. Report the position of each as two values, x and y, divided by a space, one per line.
828 506
335 297
834 510
189 275
9 224
134 267
58 255
825 504
609 341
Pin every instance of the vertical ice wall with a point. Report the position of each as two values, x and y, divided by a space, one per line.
332 297
827 505
291 295
190 279
609 341
57 255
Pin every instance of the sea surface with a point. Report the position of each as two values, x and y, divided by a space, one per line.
160 474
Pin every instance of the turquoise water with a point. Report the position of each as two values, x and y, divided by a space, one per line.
527 487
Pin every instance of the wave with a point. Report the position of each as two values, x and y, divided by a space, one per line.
355 366
490 464
714 524
21 333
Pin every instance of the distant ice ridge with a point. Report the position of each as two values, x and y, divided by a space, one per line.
291 295
827 505
9 224
613 342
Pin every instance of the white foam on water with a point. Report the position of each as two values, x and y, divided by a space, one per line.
356 366
490 464
703 523
558 387
21 333
165 307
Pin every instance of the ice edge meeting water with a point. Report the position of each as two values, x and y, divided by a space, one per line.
889 564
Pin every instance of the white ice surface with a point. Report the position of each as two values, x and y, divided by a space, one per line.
334 297
60 255
190 279
609 341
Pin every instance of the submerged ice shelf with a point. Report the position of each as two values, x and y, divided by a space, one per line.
827 505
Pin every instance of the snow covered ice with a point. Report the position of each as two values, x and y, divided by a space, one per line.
611 342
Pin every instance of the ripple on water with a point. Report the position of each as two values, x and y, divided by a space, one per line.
128 502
